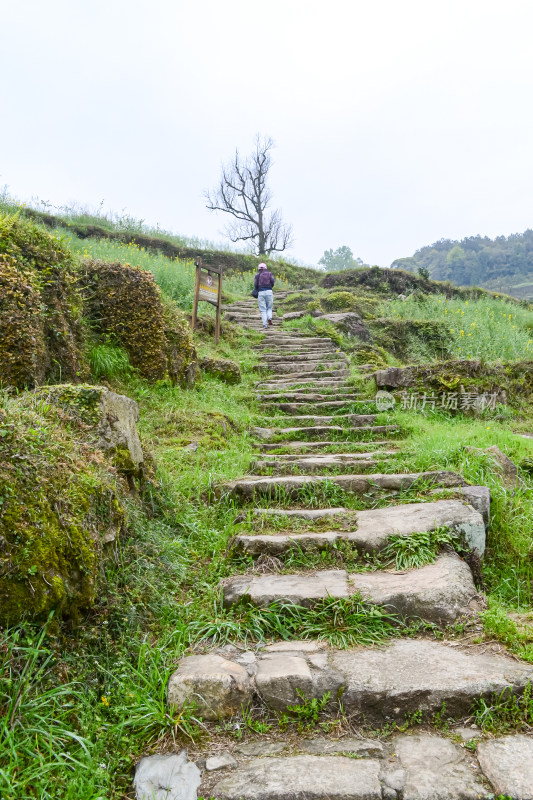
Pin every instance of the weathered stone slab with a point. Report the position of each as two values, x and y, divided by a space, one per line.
433 769
218 686
418 674
303 778
439 592
166 777
362 748
262 590
301 513
508 765
374 527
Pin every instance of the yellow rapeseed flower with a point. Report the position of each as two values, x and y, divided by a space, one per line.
105 700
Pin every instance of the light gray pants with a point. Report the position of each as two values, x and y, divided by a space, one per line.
265 301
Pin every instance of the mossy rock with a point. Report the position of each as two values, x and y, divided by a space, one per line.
41 334
182 359
59 507
222 368
124 302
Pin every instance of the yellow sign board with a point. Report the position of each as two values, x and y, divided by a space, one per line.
208 287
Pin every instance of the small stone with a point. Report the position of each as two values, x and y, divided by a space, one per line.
170 777
221 761
219 687
467 734
508 764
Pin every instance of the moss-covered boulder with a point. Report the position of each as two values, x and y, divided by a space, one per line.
111 421
181 356
125 303
465 378
222 368
41 335
59 504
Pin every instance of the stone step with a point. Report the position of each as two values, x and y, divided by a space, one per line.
312 431
326 405
369 530
246 489
307 369
291 341
410 766
310 465
307 397
269 349
440 592
378 684
357 420
326 384
293 358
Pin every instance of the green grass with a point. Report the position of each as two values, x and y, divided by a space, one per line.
488 328
109 361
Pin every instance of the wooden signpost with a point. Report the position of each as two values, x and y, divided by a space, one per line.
207 287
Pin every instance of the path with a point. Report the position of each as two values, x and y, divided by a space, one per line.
319 437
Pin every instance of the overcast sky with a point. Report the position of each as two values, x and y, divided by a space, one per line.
396 122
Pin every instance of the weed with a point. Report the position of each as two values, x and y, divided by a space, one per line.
309 710
505 711
418 549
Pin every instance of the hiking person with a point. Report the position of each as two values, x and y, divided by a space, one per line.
263 284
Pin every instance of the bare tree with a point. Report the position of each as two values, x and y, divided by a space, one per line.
243 193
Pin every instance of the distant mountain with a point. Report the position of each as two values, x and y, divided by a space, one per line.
504 264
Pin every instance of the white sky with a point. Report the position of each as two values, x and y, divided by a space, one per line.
397 122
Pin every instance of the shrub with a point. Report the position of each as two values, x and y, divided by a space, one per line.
109 361
339 301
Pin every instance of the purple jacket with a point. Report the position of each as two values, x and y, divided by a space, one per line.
264 280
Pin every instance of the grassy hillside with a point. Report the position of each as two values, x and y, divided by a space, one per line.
168 256
504 264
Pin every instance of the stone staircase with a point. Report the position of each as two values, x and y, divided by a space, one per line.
313 445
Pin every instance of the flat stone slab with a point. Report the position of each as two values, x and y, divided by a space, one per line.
439 592
376 526
419 674
305 777
429 767
303 590
508 765
305 398
313 445
248 488
363 748
166 777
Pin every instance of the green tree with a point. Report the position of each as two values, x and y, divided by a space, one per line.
341 258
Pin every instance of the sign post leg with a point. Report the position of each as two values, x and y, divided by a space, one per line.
219 303
196 293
